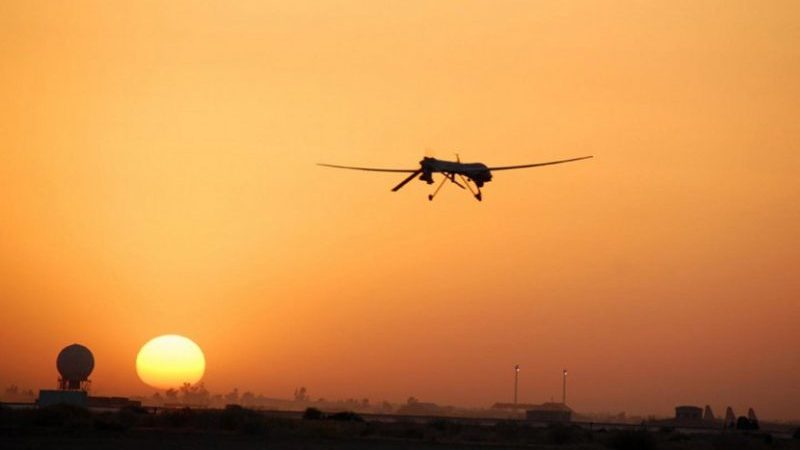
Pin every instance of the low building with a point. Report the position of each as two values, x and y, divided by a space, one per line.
62 397
686 413
550 412
420 409
113 403
514 406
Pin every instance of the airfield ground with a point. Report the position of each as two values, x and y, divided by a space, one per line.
73 428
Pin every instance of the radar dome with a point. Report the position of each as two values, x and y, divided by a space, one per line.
75 363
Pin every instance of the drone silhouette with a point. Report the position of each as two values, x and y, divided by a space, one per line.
469 173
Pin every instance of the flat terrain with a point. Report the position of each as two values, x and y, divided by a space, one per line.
74 428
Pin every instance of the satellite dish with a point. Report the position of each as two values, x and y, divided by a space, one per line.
75 363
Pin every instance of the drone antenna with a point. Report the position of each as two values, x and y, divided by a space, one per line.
458 158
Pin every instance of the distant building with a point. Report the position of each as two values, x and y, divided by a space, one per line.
514 406
82 399
550 412
75 363
48 397
417 408
112 403
687 413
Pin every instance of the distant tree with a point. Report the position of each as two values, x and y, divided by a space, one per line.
12 390
171 394
301 394
195 394
232 397
412 401
365 402
248 398
313 414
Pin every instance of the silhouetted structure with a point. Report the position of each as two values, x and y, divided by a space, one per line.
514 406
550 412
751 416
688 414
743 423
730 418
708 415
49 397
417 408
113 403
74 363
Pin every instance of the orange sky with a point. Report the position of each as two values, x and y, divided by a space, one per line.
157 176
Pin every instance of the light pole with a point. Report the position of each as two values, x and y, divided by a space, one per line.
564 389
516 383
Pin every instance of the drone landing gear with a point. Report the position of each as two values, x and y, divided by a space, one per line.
452 178
476 193
438 188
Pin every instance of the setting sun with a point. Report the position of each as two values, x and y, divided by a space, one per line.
169 361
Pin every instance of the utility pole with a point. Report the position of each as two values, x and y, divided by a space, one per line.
564 389
516 383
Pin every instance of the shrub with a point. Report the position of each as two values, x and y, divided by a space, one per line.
742 423
313 414
796 434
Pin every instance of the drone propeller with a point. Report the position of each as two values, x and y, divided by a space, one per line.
404 182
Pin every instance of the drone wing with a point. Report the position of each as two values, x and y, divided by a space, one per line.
369 169
524 166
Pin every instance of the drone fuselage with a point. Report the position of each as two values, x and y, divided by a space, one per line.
479 173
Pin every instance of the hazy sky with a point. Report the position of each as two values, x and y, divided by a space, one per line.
157 176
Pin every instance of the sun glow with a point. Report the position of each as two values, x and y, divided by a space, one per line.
170 360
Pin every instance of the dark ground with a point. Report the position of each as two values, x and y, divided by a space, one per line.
73 428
